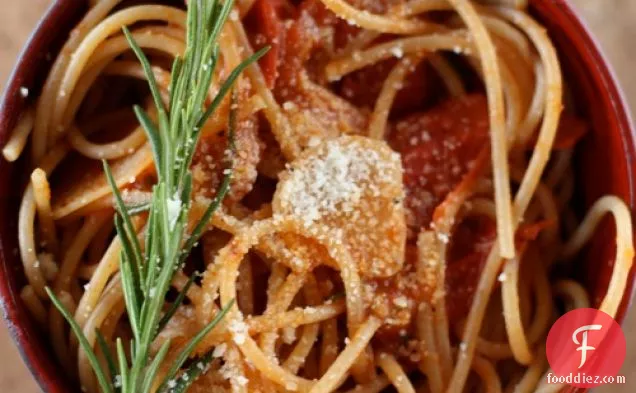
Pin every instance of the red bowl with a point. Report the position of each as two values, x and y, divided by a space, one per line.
605 160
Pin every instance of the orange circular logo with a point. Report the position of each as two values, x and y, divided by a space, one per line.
585 348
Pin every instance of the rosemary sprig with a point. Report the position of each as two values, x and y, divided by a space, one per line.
146 275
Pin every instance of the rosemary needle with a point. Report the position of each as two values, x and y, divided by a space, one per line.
146 275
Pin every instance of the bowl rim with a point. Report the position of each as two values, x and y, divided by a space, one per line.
12 101
592 48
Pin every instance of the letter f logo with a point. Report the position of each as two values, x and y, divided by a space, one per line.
583 344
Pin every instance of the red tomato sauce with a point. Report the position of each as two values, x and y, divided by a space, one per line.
438 147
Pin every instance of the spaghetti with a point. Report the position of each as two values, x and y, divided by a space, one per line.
401 164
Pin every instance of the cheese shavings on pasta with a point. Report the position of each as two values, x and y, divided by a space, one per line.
353 186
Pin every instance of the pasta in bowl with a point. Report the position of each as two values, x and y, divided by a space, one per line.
382 175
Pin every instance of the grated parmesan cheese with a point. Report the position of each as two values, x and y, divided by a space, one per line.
326 185
230 371
219 350
289 335
401 301
397 51
350 189
239 331
241 380
351 186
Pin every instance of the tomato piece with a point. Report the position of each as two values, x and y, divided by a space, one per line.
438 148
264 18
313 109
529 232
570 131
462 278
208 162
307 37
397 298
363 87
321 14
299 38
471 243
342 30
474 235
